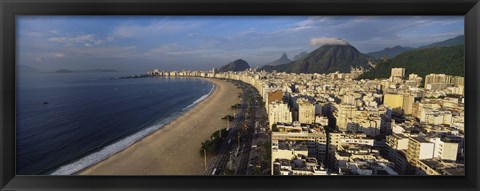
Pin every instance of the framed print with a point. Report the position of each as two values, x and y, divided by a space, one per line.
282 95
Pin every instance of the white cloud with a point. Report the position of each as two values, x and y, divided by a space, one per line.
35 34
105 52
54 31
110 38
55 55
176 50
87 40
155 28
59 55
308 24
58 39
327 41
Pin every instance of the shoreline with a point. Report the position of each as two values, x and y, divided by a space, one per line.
172 149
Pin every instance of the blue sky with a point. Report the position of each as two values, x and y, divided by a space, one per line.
140 43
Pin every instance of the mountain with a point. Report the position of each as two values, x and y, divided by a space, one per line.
282 60
390 52
237 65
458 40
300 55
326 59
441 60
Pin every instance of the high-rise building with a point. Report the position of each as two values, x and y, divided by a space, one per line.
396 143
437 81
399 103
457 81
445 149
273 97
419 149
343 115
279 112
306 111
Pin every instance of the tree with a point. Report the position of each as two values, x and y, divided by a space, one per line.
228 117
275 128
236 106
211 145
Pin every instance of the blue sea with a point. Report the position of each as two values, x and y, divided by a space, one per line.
66 122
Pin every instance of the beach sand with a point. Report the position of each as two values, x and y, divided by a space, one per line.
174 149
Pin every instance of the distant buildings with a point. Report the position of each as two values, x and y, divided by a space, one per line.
414 80
398 72
435 82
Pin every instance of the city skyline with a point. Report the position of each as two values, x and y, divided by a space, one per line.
138 43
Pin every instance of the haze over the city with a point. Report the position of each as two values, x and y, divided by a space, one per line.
140 43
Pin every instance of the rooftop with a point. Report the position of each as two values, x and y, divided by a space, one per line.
420 139
292 145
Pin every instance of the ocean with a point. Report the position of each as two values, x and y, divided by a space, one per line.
66 122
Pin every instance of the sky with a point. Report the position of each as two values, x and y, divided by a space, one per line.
141 43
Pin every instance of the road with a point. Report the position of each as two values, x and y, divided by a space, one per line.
219 162
250 121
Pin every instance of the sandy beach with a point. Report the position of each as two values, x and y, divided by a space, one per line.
174 149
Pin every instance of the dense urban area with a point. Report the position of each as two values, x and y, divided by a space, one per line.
337 124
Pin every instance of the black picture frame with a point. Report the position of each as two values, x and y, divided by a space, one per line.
9 9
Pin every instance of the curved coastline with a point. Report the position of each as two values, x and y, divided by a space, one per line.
172 149
78 166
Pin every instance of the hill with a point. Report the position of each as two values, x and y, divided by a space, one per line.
325 59
237 65
282 60
390 52
440 60
300 55
458 40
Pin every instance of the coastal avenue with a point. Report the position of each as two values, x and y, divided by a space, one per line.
234 147
250 121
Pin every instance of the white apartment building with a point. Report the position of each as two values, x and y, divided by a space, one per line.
419 149
306 111
279 112
444 149
344 115
435 117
